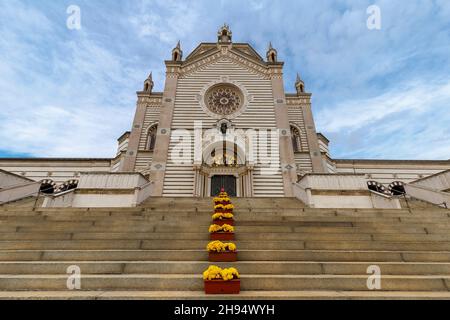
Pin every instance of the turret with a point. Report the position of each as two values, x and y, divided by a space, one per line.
272 54
177 53
224 35
299 85
148 84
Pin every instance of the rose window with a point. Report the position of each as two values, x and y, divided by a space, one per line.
224 99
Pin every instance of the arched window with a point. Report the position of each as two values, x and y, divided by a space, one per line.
151 137
47 186
295 135
68 185
376 186
397 188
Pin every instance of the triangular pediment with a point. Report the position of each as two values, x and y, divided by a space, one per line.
202 50
242 54
242 49
246 49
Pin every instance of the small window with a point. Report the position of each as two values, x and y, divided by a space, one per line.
47 186
376 186
151 140
397 188
295 135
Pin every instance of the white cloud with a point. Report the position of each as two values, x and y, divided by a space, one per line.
354 114
408 122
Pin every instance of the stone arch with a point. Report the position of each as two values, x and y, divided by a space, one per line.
227 149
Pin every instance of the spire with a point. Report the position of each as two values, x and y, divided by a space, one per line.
177 53
224 35
271 54
299 85
148 83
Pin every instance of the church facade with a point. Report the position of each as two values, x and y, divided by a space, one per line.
223 107
224 120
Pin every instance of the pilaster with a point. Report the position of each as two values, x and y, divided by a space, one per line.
287 159
313 141
161 151
129 162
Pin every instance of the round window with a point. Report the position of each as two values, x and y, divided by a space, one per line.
224 99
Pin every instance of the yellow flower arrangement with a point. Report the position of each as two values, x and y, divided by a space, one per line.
222 199
224 207
216 228
218 246
216 273
221 216
228 207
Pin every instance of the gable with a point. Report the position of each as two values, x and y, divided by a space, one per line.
213 55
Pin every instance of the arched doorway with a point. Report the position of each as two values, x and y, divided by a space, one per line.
223 166
227 182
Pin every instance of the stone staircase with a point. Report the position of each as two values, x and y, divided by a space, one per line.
286 251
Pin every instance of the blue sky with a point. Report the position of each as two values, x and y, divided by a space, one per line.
381 94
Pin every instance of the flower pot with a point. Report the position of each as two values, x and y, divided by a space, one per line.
221 222
227 256
222 236
223 287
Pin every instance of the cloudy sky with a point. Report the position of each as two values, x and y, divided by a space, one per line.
377 94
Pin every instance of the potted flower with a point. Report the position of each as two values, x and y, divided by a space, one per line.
223 218
224 232
222 198
222 252
220 208
221 281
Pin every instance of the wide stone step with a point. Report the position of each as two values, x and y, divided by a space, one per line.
248 282
244 255
248 267
198 244
244 295
306 227
204 236
244 211
165 226
191 218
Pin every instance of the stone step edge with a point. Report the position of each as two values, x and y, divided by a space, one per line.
200 295
243 277
261 262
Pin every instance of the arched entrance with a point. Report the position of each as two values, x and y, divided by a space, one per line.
223 165
227 182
